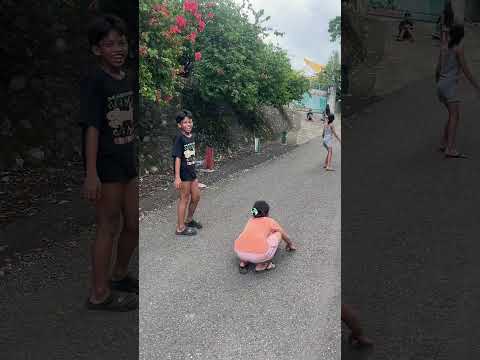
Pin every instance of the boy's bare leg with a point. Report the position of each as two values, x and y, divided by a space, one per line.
108 218
128 241
194 199
184 196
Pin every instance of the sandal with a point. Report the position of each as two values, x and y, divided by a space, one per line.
186 232
243 269
117 302
194 224
360 341
456 156
127 284
270 266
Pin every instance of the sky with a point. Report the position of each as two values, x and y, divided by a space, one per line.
305 24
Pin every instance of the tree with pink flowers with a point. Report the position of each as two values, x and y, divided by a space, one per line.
169 30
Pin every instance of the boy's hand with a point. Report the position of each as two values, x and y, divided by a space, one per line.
92 188
178 183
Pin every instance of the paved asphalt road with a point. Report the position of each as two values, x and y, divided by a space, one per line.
410 228
196 305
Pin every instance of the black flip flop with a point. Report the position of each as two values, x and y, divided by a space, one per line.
116 302
456 156
194 224
128 284
186 232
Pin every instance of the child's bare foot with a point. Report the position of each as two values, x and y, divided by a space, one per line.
329 169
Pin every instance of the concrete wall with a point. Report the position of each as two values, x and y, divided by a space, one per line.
159 130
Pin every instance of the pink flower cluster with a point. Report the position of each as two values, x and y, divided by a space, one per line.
190 6
174 29
181 21
198 56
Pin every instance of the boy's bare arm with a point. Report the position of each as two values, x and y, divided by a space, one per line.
91 149
92 186
178 181
178 161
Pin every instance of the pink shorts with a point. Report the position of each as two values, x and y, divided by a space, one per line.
256 258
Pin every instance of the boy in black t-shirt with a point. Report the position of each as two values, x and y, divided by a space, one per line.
185 176
110 162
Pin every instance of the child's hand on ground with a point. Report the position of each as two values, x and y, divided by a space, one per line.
290 247
177 183
92 188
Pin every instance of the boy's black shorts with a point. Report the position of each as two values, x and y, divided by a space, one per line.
116 169
187 175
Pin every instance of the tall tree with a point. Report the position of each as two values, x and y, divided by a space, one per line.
335 29
331 74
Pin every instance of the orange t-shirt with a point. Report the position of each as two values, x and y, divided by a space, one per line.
253 238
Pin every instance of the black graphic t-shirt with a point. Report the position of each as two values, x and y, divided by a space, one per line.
108 106
184 148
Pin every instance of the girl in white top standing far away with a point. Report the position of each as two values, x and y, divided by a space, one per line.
328 134
451 64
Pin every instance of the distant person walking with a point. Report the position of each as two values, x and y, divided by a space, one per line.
451 63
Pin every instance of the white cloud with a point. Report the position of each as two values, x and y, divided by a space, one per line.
305 24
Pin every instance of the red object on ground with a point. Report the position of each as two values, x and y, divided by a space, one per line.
209 158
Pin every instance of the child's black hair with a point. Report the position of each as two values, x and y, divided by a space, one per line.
448 15
260 209
102 25
182 115
331 117
327 109
457 33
